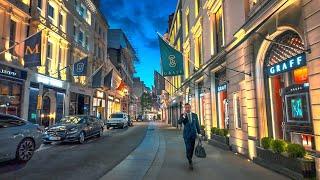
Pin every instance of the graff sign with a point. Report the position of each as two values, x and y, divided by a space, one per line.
287 65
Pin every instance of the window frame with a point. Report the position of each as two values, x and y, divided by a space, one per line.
49 12
39 5
49 55
237 110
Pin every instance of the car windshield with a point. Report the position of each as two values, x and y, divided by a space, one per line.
72 120
6 121
116 116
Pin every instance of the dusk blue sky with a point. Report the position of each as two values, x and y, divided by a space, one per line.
140 20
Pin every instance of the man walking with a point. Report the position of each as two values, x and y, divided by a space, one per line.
190 131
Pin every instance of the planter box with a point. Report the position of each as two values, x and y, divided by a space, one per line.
293 167
219 141
222 139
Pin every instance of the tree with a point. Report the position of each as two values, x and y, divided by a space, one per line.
146 101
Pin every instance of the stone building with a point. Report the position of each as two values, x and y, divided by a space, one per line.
251 68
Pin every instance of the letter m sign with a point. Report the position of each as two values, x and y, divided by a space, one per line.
32 51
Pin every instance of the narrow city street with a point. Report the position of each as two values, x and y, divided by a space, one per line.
77 161
146 151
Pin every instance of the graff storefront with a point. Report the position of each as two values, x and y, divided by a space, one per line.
287 90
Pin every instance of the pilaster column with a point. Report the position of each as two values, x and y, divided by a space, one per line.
207 104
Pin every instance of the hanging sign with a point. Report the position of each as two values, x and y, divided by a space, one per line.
292 63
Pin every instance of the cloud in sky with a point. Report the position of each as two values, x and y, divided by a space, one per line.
140 20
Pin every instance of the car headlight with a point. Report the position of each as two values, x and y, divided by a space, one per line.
72 130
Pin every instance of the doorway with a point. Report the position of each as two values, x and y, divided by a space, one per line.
45 114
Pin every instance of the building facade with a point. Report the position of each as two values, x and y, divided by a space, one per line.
14 19
71 31
251 68
123 57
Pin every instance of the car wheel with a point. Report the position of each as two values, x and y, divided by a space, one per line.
100 132
25 150
81 137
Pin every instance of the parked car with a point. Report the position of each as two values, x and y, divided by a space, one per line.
76 128
18 138
117 120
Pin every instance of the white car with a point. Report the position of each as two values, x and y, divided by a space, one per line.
118 120
18 138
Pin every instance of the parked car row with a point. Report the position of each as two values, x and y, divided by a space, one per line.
19 138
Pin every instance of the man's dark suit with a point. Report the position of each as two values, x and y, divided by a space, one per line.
190 133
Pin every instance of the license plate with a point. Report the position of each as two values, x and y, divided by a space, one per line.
113 124
53 138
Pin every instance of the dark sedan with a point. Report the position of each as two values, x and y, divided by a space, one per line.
74 129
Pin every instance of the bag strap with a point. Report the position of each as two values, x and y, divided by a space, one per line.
200 142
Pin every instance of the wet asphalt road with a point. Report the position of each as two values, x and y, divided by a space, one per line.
77 161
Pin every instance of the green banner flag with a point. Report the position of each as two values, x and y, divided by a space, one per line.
171 59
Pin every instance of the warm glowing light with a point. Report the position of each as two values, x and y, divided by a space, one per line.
300 75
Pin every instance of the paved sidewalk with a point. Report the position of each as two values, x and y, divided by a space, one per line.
218 164
161 155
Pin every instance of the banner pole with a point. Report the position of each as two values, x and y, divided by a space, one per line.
18 43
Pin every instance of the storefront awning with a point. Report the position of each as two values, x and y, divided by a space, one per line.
107 82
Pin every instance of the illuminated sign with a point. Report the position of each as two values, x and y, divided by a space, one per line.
9 73
49 81
222 87
287 65
12 72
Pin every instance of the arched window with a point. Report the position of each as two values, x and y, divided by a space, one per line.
286 45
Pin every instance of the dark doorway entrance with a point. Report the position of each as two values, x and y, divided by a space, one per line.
45 114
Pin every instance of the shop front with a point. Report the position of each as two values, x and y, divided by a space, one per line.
113 105
99 104
175 110
46 100
201 102
80 99
222 100
12 82
287 90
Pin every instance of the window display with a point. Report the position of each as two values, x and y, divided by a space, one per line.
10 97
297 107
